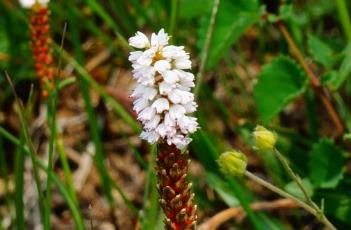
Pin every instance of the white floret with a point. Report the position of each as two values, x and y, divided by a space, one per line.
163 100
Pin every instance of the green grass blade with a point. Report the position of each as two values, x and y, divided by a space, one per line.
66 169
148 215
95 6
19 183
24 126
93 125
52 127
118 108
64 192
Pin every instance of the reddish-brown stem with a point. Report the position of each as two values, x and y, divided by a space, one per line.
176 198
314 80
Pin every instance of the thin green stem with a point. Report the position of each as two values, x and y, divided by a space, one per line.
52 127
173 17
66 169
317 213
73 207
24 126
19 181
344 18
293 176
206 47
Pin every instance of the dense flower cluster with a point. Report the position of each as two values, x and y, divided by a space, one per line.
162 95
40 35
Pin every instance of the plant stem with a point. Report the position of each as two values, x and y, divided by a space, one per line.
295 177
206 47
52 127
317 213
173 17
344 18
315 83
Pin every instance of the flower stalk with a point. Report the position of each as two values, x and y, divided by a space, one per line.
164 102
314 211
176 198
40 36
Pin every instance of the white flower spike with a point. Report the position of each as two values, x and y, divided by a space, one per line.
30 3
162 96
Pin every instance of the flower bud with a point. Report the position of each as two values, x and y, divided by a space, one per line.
264 138
232 163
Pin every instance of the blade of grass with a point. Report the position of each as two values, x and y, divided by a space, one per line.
5 176
64 192
95 6
92 121
19 183
66 169
118 108
52 127
123 16
20 112
150 183
344 18
51 116
173 17
204 54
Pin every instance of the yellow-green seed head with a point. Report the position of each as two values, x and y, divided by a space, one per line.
232 163
264 138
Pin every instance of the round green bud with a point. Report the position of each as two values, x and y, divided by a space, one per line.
232 163
264 138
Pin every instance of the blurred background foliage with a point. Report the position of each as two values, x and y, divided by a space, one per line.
251 76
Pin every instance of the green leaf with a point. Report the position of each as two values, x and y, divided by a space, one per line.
344 70
222 188
295 190
320 51
337 203
233 19
326 164
278 83
193 8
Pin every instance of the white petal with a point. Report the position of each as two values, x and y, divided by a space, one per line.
139 41
147 114
152 137
176 112
153 123
170 77
190 107
30 3
146 57
160 105
165 88
187 124
161 39
174 96
133 56
162 65
182 63
140 104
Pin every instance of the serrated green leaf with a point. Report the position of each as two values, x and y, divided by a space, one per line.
278 83
320 51
295 190
326 164
344 70
233 19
